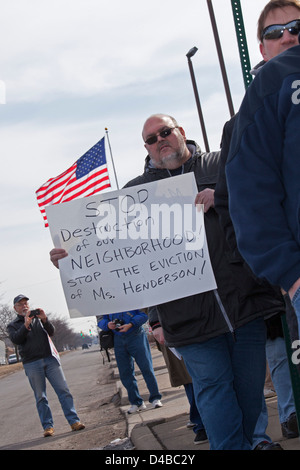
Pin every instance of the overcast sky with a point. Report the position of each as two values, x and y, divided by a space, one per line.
71 68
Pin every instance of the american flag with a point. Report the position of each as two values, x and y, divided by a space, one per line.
87 176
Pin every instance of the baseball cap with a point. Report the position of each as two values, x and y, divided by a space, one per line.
20 297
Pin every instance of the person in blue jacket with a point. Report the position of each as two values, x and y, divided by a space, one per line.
263 174
277 31
131 343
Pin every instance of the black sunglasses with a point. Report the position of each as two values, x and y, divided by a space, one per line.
165 133
275 31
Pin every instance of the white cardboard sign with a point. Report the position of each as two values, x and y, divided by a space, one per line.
132 248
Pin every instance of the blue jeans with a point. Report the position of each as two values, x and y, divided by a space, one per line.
37 373
195 417
135 346
280 375
281 378
296 304
228 377
261 426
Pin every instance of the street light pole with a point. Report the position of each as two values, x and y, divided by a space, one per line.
190 54
220 55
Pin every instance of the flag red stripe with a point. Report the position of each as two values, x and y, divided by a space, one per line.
92 185
52 183
55 184
86 180
69 188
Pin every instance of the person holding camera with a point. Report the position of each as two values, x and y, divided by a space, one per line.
31 332
131 343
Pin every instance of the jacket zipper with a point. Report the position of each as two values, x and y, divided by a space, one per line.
224 313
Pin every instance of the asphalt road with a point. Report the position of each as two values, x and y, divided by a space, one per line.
90 386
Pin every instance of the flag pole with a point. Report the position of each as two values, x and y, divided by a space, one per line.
106 131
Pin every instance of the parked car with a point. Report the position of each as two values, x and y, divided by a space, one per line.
12 359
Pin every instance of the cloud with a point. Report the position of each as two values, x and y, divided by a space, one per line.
89 46
73 68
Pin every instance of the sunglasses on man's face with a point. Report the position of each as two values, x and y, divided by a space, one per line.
163 134
275 31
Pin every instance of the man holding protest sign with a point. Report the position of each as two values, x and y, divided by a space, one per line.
220 334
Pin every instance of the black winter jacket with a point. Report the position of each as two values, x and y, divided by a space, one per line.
199 317
32 344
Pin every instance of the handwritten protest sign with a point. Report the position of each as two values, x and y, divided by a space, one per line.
132 248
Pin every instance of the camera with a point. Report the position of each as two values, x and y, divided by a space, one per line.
34 313
118 323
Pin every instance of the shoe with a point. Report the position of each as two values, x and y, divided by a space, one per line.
289 429
156 404
135 408
265 445
48 432
77 426
201 436
189 424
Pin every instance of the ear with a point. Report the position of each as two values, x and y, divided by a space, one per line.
181 130
262 51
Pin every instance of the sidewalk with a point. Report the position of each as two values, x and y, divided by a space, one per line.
165 428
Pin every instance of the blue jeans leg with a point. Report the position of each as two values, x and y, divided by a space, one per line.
194 413
261 426
296 305
136 346
228 378
125 365
55 375
37 373
140 350
280 375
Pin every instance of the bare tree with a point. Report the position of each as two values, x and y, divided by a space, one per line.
6 316
64 337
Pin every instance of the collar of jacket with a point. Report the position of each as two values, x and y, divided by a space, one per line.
194 149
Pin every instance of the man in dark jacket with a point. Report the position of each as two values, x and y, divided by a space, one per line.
277 31
221 338
221 335
271 246
31 332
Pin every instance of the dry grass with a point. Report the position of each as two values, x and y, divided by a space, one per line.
10 368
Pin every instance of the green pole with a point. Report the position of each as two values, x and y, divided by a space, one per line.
242 41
